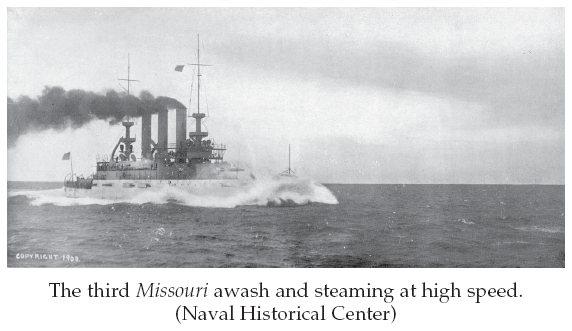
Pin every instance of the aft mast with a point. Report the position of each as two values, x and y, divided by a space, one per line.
198 135
199 150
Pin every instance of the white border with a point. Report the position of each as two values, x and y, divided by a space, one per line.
27 303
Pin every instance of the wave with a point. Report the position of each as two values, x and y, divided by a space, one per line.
465 221
518 242
264 192
57 197
541 229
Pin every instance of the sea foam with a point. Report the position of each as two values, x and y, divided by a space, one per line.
262 192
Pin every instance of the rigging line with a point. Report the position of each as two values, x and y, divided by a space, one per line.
192 83
111 147
205 88
205 95
206 98
192 86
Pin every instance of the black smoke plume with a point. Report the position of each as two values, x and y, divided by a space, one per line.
59 109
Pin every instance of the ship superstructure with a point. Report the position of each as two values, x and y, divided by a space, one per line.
191 161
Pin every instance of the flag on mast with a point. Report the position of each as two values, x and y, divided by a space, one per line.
179 68
66 156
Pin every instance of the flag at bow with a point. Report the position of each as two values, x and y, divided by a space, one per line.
179 68
66 156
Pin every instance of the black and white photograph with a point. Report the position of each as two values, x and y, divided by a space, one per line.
285 137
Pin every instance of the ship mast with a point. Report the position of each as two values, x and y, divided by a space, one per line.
198 116
288 172
127 140
129 80
199 65
198 150
198 76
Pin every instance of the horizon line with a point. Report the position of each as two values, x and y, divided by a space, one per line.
514 184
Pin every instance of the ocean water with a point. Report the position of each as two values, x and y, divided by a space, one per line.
296 224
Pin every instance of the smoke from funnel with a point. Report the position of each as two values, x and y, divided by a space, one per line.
59 109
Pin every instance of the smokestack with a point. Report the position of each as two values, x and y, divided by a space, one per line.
146 136
163 131
181 132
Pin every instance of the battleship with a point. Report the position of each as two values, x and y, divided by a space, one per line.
192 162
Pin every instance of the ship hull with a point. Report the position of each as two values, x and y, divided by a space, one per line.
123 189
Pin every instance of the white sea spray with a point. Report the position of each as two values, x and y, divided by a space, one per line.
290 191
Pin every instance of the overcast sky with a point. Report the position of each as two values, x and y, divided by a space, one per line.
363 95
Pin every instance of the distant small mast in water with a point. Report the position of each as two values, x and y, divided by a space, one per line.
288 172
